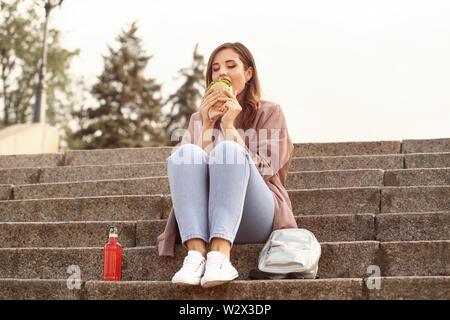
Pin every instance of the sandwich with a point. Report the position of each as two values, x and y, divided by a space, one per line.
221 86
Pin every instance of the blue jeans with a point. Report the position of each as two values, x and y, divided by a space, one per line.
219 196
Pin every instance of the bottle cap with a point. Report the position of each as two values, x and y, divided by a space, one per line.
113 230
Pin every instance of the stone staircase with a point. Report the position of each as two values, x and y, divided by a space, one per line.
384 204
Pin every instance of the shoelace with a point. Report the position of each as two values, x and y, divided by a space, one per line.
218 262
192 262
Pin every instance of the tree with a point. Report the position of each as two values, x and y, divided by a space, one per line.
185 101
21 25
129 111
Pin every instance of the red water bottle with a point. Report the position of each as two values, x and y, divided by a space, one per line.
112 259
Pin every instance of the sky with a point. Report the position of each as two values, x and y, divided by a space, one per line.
347 70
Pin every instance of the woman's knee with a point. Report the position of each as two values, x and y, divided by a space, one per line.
225 151
188 154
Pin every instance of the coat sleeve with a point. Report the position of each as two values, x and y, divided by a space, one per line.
273 148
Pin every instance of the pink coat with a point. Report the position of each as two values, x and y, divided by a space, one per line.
271 149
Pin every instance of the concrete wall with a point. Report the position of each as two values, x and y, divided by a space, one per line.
29 138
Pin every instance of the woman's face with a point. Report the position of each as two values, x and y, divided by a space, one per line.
228 66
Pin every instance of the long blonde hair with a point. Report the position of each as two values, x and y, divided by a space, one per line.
252 90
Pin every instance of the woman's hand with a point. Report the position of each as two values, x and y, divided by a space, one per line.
209 99
232 109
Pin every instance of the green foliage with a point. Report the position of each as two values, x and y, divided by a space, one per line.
129 111
128 107
21 31
186 100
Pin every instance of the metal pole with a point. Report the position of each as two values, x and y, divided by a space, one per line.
41 89
39 107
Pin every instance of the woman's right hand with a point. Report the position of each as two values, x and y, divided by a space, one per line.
209 99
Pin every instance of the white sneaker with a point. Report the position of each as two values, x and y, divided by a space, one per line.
218 270
192 269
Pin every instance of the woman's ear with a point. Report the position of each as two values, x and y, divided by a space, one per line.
248 74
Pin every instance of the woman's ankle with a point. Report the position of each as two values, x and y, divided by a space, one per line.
221 245
197 245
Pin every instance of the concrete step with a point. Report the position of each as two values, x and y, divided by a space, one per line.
158 185
415 199
412 226
5 191
338 260
389 161
417 177
144 233
37 289
44 178
426 145
345 227
148 207
391 288
32 160
346 148
327 228
336 201
304 202
334 179
296 180
113 208
357 177
143 155
357 198
20 176
116 187
65 234
134 170
116 156
427 160
146 155
102 172
417 288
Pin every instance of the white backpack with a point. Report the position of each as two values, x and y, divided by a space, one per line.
291 251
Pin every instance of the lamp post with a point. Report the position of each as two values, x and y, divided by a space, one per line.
41 90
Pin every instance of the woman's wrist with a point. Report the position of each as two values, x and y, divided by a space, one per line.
205 138
207 126
228 126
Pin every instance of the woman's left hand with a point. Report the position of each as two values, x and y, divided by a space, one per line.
232 109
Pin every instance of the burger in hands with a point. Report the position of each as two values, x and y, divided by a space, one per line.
221 86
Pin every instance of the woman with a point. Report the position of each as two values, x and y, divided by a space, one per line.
226 190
